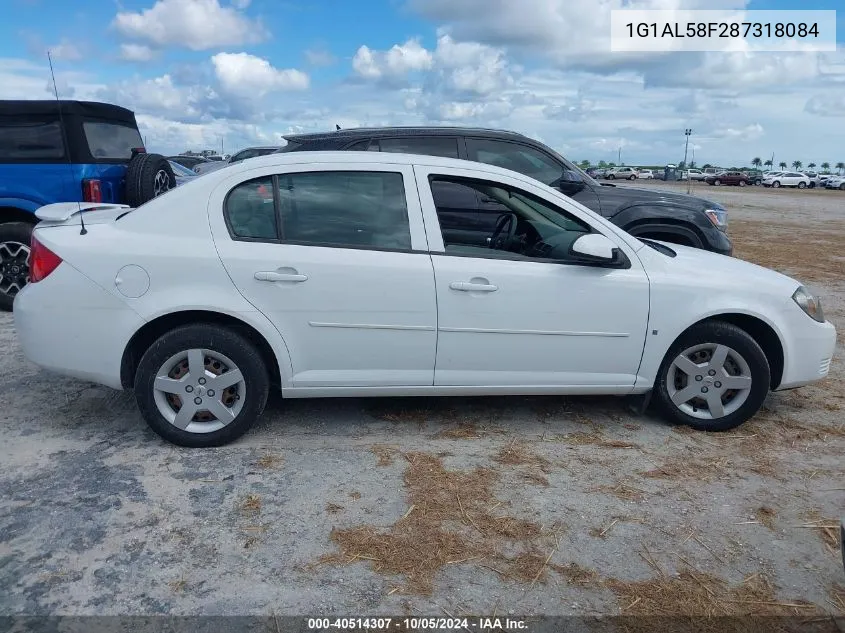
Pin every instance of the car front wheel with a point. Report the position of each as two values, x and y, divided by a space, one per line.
201 385
776 184
713 378
611 177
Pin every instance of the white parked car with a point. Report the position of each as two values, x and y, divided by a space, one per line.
331 274
692 174
835 182
787 179
645 174
249 152
628 173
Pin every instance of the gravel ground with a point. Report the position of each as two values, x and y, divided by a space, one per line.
421 506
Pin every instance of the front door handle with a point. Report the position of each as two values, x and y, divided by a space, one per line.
467 286
272 276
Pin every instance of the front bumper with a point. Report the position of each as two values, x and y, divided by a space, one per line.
808 351
68 324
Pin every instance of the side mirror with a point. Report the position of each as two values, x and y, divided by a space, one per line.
571 182
595 247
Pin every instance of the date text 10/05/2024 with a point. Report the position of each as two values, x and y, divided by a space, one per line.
723 29
417 624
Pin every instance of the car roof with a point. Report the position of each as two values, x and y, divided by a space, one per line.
98 109
400 131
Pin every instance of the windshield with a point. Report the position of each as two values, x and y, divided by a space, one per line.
111 140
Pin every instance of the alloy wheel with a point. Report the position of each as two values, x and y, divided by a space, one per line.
161 183
14 267
709 381
199 391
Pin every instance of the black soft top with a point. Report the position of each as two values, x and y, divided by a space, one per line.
93 109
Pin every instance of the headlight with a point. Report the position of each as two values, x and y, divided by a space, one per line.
808 303
719 218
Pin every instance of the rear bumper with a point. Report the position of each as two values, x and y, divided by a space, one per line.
68 324
809 353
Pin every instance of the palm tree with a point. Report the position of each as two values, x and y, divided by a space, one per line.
826 166
585 163
767 163
782 164
796 164
756 163
840 166
811 166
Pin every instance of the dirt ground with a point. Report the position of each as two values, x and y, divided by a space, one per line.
430 506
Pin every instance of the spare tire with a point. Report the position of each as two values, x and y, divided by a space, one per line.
148 176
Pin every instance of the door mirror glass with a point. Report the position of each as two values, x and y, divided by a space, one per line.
594 247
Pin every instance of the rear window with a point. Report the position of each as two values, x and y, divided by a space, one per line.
20 141
111 140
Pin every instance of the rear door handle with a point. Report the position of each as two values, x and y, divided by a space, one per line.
467 286
272 276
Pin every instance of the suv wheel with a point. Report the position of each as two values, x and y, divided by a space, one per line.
632 177
14 261
148 176
201 385
713 378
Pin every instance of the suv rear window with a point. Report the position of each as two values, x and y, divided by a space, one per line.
111 140
21 140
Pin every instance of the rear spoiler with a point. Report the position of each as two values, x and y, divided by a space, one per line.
62 211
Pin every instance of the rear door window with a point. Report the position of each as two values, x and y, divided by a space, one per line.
30 140
111 141
515 156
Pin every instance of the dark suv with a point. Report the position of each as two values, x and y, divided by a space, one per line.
646 213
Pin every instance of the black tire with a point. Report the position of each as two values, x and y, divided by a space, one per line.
776 184
611 177
802 185
742 183
721 333
717 182
14 263
812 185
632 177
213 338
147 176
842 187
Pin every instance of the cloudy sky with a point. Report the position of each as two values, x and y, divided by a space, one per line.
198 72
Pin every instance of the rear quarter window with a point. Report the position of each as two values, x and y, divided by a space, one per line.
111 140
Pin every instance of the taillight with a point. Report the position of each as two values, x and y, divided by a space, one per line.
91 191
42 261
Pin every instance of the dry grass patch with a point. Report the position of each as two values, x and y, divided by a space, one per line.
837 595
694 467
574 574
622 490
518 453
691 597
827 530
463 431
333 508
270 461
815 257
595 438
251 505
450 520
384 454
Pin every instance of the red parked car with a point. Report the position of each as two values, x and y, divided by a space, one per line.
728 178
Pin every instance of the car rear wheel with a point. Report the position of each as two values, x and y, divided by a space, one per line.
741 183
632 177
611 177
842 187
713 378
802 185
201 385
717 182
14 261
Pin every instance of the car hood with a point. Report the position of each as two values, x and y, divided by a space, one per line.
704 268
614 199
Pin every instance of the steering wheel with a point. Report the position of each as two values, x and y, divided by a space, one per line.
499 241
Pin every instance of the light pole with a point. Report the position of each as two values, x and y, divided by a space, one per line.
687 133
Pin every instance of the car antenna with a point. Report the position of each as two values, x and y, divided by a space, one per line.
83 231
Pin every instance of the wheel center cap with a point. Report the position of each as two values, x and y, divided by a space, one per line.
709 380
200 391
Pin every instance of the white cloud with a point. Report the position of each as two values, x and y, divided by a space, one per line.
827 105
136 53
319 57
394 63
64 50
194 24
246 75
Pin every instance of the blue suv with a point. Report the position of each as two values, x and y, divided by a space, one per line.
66 151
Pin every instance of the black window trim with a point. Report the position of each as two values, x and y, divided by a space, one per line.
277 210
455 138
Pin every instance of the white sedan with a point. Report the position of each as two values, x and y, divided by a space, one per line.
342 274
645 174
835 182
787 179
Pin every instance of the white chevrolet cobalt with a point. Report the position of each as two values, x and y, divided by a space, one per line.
349 274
